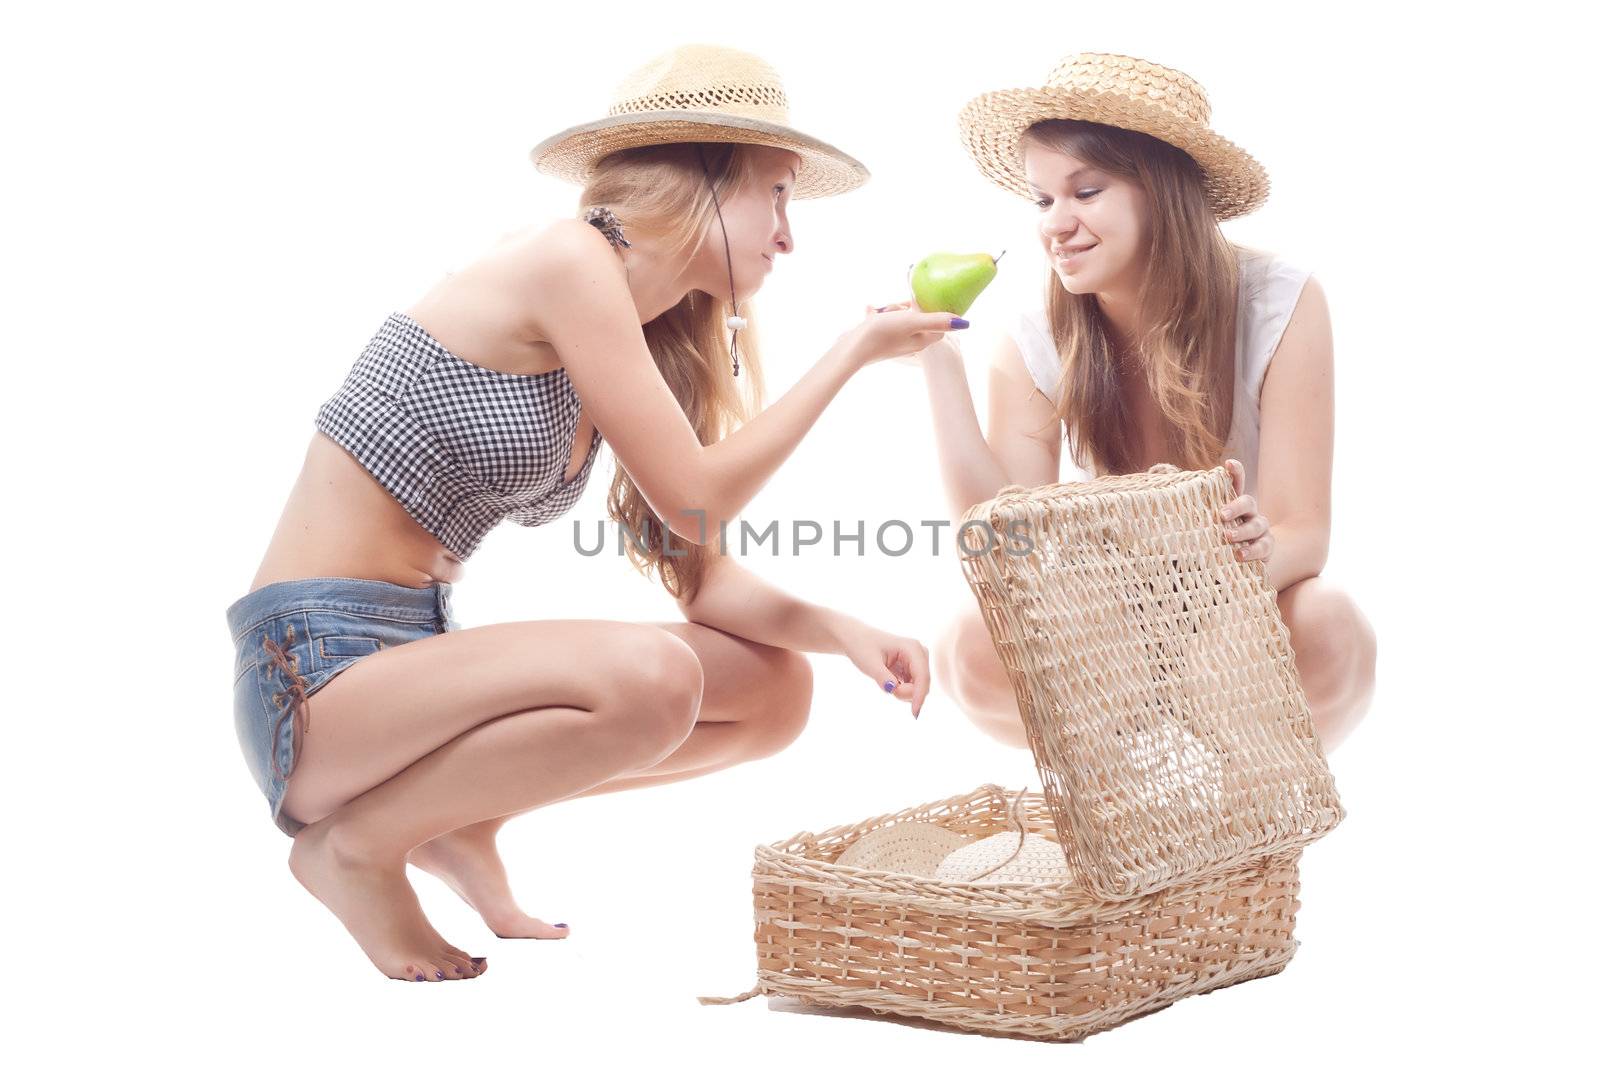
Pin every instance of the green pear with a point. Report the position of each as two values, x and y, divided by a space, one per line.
949 282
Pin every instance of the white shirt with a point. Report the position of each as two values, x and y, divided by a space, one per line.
1269 289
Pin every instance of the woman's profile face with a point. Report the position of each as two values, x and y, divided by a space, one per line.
757 221
1083 207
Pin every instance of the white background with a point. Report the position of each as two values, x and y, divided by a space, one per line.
210 210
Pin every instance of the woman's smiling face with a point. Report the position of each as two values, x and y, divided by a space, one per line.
1091 223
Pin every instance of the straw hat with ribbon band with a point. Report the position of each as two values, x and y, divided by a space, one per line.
698 92
1122 91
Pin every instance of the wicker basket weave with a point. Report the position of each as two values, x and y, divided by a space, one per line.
1154 675
1182 779
1020 959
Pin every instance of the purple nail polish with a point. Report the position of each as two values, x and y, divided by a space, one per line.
959 324
421 978
440 975
888 687
562 925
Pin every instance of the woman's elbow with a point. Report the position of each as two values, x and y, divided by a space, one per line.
695 521
688 511
690 524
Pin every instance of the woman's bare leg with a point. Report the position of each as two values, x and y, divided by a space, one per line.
419 739
756 702
1334 646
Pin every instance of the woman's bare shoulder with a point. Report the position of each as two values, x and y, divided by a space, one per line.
554 247
519 278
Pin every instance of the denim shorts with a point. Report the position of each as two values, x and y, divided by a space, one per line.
291 638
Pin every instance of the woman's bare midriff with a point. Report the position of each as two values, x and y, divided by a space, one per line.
339 521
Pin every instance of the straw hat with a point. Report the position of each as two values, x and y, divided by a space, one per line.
700 92
1133 94
903 848
1003 858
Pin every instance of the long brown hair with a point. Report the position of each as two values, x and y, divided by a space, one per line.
1187 304
661 190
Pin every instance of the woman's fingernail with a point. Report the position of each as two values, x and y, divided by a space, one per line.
888 687
479 960
959 324
562 925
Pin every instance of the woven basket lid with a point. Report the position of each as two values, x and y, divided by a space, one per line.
1154 676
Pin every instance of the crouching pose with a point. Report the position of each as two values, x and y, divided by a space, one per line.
1154 340
378 729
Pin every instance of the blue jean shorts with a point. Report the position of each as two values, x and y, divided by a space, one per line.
291 638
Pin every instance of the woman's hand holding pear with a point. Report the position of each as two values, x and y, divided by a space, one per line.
898 330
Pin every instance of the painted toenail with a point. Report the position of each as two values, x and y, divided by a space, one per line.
562 925
440 974
421 978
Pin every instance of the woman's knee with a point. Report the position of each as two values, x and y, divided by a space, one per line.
972 667
657 687
785 702
973 674
1333 640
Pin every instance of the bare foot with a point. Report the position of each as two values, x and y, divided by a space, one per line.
380 909
467 861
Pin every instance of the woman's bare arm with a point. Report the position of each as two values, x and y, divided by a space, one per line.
1294 483
1024 441
592 322
738 601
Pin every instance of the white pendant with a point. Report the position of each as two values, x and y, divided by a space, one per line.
736 322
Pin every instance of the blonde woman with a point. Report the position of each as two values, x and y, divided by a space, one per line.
382 732
1155 340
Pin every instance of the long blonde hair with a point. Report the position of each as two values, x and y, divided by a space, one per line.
661 191
1187 304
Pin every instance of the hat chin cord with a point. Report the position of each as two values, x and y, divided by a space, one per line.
735 321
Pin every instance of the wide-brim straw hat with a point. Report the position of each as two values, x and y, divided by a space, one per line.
700 92
1134 94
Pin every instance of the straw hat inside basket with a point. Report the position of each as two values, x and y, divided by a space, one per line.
928 850
904 848
1115 90
997 858
700 92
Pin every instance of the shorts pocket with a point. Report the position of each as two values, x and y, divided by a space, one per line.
347 646
340 637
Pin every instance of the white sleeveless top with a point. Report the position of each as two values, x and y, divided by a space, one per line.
1269 288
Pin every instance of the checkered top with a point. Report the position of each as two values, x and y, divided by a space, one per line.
460 446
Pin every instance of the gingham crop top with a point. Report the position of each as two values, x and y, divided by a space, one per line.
1269 289
461 447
